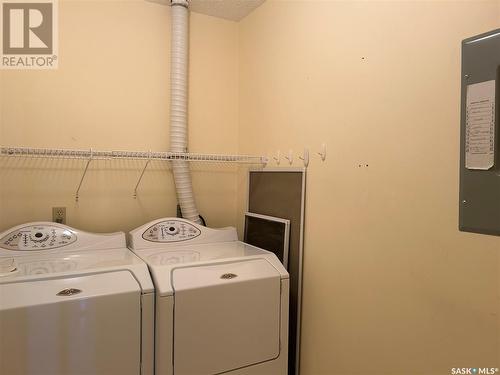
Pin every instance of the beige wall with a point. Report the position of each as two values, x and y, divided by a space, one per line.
111 92
391 286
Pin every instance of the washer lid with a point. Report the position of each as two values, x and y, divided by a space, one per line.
162 262
41 265
83 288
228 315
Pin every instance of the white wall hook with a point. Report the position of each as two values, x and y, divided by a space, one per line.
289 157
277 158
305 157
322 153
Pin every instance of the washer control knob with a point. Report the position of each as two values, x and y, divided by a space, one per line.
171 230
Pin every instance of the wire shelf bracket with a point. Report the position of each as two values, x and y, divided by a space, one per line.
142 174
77 194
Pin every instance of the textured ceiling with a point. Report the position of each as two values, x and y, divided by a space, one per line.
233 10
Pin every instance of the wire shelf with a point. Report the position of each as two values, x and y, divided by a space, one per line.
54 153
148 156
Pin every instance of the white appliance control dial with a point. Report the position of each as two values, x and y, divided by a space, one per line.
38 237
171 231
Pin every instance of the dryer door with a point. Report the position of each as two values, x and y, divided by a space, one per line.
227 316
79 325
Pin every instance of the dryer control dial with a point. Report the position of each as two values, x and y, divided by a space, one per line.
171 231
38 237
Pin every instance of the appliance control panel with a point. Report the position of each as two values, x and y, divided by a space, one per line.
38 237
171 231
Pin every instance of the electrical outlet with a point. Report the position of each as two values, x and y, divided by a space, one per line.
59 215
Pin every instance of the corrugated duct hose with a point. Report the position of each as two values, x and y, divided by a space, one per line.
178 107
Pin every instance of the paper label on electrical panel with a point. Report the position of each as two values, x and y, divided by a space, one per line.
480 126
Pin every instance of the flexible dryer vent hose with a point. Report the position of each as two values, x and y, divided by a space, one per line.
178 107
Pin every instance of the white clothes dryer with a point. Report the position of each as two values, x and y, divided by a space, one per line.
73 303
221 305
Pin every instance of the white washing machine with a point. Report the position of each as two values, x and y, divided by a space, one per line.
221 305
73 303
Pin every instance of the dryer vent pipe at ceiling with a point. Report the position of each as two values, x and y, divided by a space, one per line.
178 107
231 10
